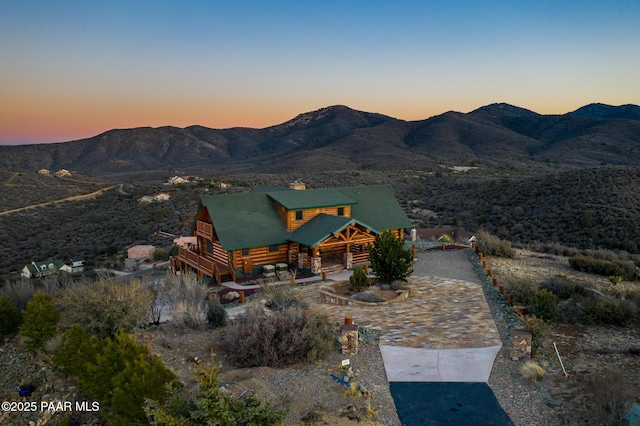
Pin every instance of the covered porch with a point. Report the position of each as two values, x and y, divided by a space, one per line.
332 243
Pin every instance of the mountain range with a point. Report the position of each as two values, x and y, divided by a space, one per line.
339 137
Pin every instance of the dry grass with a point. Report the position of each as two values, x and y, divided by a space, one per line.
532 371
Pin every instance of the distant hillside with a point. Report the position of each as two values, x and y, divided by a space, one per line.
342 138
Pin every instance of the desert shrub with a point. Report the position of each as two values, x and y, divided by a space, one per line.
281 338
445 238
10 317
282 297
103 308
122 376
216 314
539 331
544 305
358 280
189 301
389 259
611 396
19 293
521 289
40 320
160 256
161 298
607 268
607 311
562 287
615 279
210 406
368 296
532 371
491 245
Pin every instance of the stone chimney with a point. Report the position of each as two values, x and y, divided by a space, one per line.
298 186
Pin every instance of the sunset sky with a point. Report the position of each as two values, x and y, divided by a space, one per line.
74 69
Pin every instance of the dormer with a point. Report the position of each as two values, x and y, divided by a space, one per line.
298 207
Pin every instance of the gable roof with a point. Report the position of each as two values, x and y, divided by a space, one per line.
321 227
311 198
377 207
252 219
245 220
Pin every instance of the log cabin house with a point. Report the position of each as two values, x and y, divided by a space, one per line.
240 236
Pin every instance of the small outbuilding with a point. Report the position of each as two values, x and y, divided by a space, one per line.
141 252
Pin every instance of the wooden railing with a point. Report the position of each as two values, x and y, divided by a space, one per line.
206 264
201 263
360 258
204 229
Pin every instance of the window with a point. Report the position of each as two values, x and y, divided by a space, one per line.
274 248
245 252
340 211
209 246
299 215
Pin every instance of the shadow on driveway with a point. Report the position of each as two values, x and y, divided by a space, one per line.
438 403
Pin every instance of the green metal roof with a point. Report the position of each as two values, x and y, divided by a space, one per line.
245 220
320 228
377 207
311 198
252 220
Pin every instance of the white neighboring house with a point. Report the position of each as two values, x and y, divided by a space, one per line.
176 180
42 269
62 173
163 196
77 264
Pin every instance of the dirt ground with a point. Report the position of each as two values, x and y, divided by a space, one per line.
586 352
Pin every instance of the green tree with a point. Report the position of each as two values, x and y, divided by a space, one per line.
10 317
358 280
40 321
77 349
211 406
389 259
122 376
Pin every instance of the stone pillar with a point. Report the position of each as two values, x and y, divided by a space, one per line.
292 256
349 335
316 265
348 260
301 257
520 345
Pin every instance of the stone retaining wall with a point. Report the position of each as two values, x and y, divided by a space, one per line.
335 299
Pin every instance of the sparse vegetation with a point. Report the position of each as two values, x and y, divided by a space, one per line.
539 329
280 298
190 305
210 406
532 371
491 245
102 307
611 396
10 317
216 314
624 270
281 338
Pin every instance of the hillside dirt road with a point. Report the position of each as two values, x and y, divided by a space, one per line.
72 198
